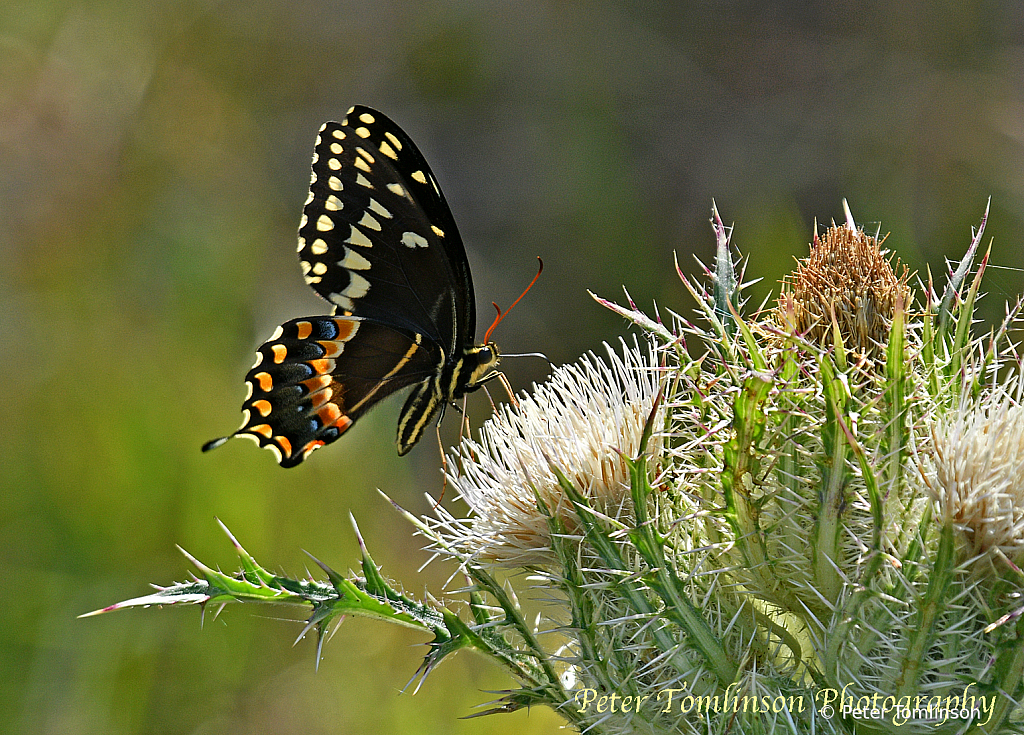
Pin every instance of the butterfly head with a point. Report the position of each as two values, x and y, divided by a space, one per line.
478 365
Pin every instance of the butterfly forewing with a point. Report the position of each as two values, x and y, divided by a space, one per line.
377 238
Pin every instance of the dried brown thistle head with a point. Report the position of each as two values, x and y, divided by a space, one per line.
846 279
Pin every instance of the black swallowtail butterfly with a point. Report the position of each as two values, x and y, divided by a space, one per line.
378 241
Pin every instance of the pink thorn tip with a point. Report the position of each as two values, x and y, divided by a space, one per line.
721 233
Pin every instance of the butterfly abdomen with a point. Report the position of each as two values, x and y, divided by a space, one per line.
459 376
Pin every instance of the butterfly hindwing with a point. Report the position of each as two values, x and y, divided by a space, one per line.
318 375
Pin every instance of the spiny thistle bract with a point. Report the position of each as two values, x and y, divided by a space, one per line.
803 519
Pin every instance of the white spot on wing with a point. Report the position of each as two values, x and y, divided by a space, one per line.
336 149
362 165
362 132
397 189
369 222
333 204
378 208
319 247
319 268
418 176
343 301
339 134
367 118
334 164
394 140
437 230
324 223
412 240
357 287
363 181
354 261
358 238
302 243
387 150
335 183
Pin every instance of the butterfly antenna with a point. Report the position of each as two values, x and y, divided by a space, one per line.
502 315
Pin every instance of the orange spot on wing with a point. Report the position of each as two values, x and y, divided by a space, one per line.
263 407
308 449
280 353
331 348
321 366
346 329
265 381
305 329
263 430
321 397
329 413
285 444
343 423
317 383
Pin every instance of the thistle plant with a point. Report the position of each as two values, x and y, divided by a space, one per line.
803 517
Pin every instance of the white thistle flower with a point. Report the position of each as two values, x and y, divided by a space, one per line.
586 420
974 470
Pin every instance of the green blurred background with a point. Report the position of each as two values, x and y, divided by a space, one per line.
154 157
